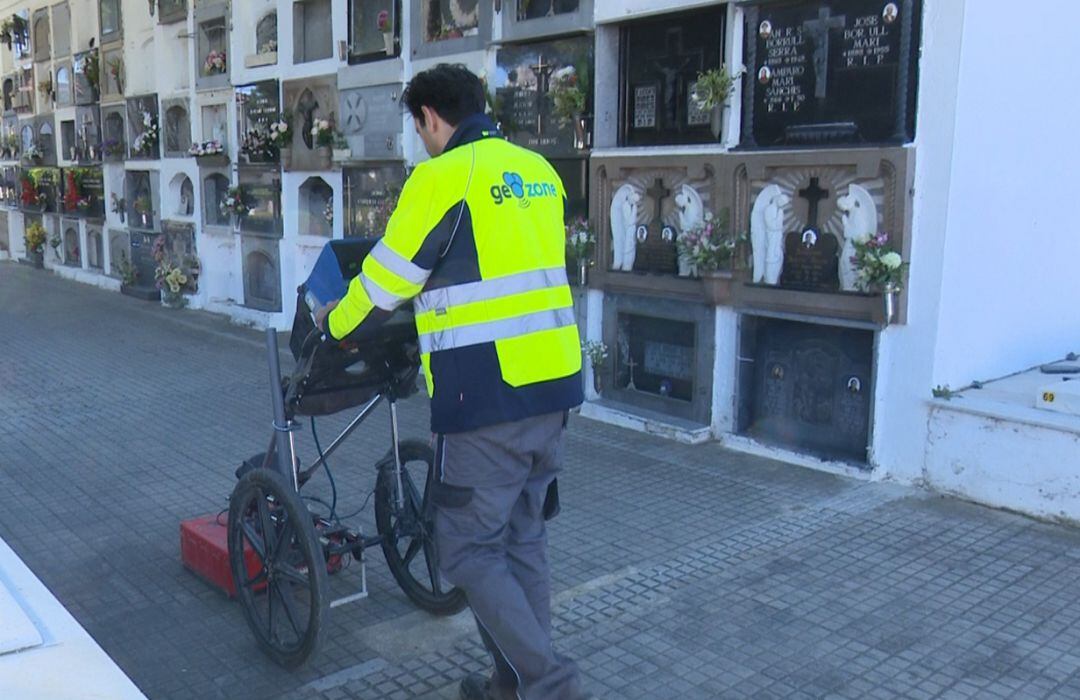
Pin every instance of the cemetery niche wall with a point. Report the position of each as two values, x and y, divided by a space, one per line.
257 105
443 27
144 128
211 45
523 19
830 72
313 34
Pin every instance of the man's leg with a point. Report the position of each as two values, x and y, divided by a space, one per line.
482 474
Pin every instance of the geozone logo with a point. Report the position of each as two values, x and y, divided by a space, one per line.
514 187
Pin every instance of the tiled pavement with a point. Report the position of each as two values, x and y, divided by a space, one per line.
679 572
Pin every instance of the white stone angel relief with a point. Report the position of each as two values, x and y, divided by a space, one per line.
624 214
767 234
691 212
859 219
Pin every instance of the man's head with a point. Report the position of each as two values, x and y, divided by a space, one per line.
438 99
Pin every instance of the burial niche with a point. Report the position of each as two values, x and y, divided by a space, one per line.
266 34
316 208
313 36
182 194
177 131
215 188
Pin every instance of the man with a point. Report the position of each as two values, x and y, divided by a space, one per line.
477 239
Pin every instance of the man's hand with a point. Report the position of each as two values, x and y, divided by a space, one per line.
321 314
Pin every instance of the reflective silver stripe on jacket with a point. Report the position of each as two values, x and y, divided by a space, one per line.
405 269
379 296
486 290
488 332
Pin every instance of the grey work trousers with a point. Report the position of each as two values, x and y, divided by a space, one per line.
492 543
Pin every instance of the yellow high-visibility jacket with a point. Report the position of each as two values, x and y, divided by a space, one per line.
477 242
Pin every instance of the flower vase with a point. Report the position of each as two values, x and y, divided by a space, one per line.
583 273
325 156
388 41
716 120
172 300
580 134
36 258
597 383
145 220
286 158
718 284
236 223
888 300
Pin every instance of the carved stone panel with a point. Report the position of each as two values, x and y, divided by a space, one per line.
262 273
370 119
309 100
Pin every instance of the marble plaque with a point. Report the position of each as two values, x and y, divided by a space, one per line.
257 105
371 120
262 273
119 250
262 194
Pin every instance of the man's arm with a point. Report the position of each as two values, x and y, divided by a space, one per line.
399 265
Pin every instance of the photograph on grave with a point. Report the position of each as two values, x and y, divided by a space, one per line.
543 94
807 386
370 121
40 33
374 30
177 128
114 133
144 132
830 72
311 101
644 212
119 252
262 273
211 45
65 95
141 198
88 133
215 188
370 195
659 62
313 32
84 192
261 194
87 76
95 247
170 11
661 355
316 212
71 248
110 20
61 24
257 106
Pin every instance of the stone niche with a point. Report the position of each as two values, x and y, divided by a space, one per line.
109 15
215 186
179 238
63 85
309 100
804 211
523 19
112 75
830 72
24 94
119 250
316 201
45 133
211 44
142 260
20 34
214 123
371 121
142 200
661 356
265 50
257 105
640 210
444 27
371 194
170 11
70 243
61 24
181 197
806 386
138 109
40 33
527 82
95 247
86 91
261 187
88 133
659 61
262 273
368 41
176 127
84 192
313 33
114 132
47 182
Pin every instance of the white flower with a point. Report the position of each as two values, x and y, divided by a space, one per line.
315 131
282 126
891 260
324 124
564 72
708 215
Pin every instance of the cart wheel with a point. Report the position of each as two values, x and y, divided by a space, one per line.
407 533
277 565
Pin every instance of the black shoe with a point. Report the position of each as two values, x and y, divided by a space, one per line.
476 686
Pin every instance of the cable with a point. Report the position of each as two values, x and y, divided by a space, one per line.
361 509
322 458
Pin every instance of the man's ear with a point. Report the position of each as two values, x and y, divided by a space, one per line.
431 120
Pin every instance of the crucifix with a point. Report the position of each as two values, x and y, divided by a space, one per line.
659 193
631 364
305 107
671 64
813 194
543 73
818 29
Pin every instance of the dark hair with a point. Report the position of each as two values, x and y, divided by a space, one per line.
453 91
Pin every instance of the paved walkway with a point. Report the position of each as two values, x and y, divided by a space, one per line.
679 572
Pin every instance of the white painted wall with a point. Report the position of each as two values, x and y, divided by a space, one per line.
1010 286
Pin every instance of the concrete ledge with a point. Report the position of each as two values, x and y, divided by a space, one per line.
645 421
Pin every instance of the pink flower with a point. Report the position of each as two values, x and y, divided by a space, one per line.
383 21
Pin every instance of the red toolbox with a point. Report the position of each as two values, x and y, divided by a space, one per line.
204 549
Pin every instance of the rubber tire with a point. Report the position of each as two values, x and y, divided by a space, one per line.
448 603
270 483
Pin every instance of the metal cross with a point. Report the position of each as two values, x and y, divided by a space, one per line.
659 193
813 194
818 29
631 364
543 73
